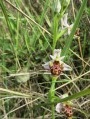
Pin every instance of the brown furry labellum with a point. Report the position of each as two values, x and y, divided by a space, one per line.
56 68
68 110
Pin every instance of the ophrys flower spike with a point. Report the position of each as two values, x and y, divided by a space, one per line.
55 66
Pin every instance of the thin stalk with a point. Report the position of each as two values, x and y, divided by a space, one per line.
52 95
55 30
53 111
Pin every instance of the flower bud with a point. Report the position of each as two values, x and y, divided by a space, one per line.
57 6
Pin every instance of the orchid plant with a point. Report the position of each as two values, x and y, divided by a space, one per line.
55 66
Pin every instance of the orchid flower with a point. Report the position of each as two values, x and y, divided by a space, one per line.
65 24
65 107
56 66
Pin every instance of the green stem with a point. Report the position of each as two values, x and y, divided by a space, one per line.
70 117
52 96
53 111
52 89
55 30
